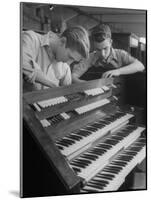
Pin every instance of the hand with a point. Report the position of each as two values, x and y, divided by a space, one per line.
111 73
30 77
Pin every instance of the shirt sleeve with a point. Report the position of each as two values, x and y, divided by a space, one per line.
125 58
66 80
29 66
82 67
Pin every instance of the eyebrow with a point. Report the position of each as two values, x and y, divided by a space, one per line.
101 49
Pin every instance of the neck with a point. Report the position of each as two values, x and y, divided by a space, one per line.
109 54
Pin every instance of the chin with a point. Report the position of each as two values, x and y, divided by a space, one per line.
58 59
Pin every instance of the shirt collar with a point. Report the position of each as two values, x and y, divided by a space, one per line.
112 56
112 59
45 42
46 38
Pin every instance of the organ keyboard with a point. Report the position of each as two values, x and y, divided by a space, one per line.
89 141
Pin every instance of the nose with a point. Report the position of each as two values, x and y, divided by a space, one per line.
69 62
102 53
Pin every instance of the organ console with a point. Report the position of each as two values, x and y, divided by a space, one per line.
90 143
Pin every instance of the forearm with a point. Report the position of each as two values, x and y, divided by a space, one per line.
33 74
76 79
132 68
40 78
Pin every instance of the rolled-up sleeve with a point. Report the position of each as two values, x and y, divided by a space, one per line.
29 54
125 58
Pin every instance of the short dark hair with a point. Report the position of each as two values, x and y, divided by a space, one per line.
101 32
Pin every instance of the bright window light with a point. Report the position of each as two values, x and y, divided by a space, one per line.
142 40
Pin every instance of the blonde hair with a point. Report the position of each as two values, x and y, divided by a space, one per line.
77 40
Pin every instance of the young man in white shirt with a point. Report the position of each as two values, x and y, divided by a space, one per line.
45 58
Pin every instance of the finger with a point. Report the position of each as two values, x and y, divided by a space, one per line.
28 79
107 75
110 75
104 75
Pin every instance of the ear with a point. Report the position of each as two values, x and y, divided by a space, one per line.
63 41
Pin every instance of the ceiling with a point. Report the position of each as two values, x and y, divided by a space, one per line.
120 20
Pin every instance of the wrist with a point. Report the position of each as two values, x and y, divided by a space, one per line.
119 71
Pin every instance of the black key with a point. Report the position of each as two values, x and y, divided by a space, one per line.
76 169
99 181
142 140
98 152
99 186
113 167
134 148
101 149
83 160
103 122
75 137
64 140
104 177
89 128
112 171
105 146
84 164
77 164
83 133
112 142
108 175
90 157
63 144
122 134
116 138
125 158
131 153
60 147
118 163
97 125
94 187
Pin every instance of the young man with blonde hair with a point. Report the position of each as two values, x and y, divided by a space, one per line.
46 58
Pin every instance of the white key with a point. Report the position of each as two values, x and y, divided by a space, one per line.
45 123
94 91
53 101
65 115
91 106
105 88
37 107
114 86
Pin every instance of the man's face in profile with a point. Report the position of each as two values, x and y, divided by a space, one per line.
66 54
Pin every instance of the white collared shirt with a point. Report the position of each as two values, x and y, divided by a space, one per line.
35 48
